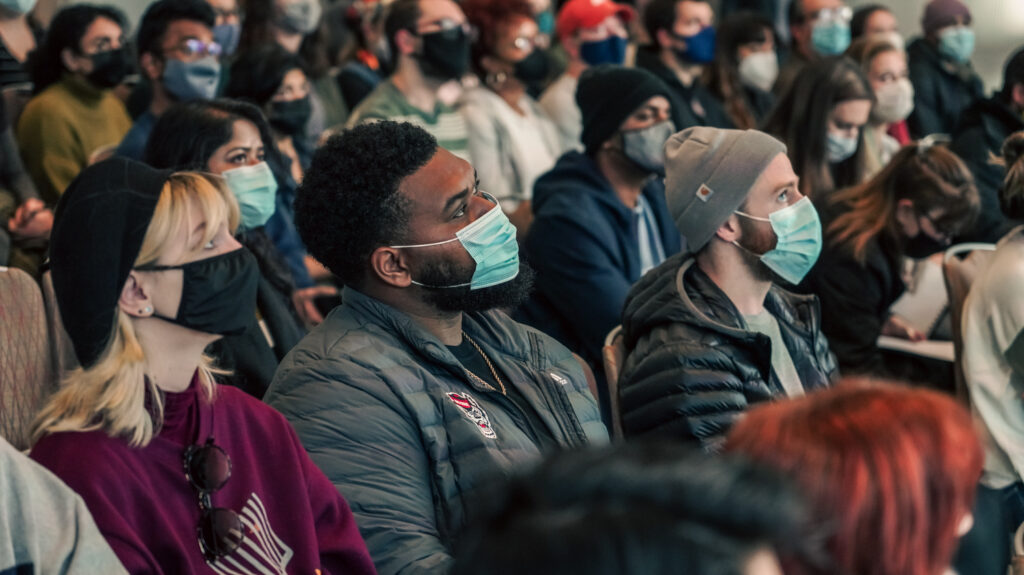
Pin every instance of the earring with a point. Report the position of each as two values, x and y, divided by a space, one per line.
146 309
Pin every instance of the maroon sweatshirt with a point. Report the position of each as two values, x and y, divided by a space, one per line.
296 520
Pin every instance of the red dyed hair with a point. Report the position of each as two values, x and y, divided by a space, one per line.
491 18
889 470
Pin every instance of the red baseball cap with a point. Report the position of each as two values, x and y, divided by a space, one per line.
578 14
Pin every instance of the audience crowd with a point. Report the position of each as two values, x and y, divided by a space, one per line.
509 286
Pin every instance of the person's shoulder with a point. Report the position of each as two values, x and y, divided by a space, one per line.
71 453
384 102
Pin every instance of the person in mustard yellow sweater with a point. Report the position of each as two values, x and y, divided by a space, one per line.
74 117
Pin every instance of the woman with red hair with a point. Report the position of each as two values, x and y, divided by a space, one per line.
511 141
890 473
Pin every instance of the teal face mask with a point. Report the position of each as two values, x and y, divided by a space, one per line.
830 38
491 241
798 244
256 191
957 44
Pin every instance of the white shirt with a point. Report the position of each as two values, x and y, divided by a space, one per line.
559 102
993 360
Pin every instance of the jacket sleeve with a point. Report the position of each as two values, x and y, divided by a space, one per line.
851 298
926 118
281 230
357 431
486 151
576 273
342 549
681 390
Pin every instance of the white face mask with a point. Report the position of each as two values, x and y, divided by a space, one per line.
759 70
895 101
839 147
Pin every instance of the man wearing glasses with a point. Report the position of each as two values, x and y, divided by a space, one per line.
817 28
430 42
179 58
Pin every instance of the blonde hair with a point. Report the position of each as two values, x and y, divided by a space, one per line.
111 394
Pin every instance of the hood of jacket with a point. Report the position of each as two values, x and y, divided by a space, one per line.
994 117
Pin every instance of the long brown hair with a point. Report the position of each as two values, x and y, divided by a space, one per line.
723 76
800 120
931 176
1011 196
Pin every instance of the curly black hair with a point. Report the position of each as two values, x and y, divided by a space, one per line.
348 204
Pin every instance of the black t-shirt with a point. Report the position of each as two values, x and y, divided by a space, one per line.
514 400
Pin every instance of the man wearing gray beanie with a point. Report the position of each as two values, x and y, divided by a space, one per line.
708 333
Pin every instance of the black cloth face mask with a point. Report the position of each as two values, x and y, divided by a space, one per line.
922 245
109 68
291 117
218 294
533 68
445 54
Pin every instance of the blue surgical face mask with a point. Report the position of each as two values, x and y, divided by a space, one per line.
491 241
189 81
611 50
700 48
255 188
798 240
546 22
957 43
830 37
839 148
227 35
18 6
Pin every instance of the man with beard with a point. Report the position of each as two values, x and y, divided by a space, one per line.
707 333
417 391
430 42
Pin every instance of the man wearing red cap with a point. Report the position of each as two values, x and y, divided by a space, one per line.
592 32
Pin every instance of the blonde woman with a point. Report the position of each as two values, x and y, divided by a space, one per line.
147 274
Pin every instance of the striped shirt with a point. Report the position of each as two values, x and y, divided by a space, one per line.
13 72
387 102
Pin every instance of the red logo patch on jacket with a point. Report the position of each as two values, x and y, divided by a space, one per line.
473 412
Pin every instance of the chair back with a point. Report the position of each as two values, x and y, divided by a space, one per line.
64 359
26 363
961 265
614 353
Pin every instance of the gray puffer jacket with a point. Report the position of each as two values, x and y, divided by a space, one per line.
390 416
692 368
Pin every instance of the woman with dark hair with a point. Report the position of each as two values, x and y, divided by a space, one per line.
993 364
275 80
511 141
912 208
889 473
876 20
74 115
820 119
885 66
233 139
744 69
298 26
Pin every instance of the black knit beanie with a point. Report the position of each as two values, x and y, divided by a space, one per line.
608 94
100 222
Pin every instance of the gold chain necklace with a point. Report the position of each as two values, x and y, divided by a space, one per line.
494 372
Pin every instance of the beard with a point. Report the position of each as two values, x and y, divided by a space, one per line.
507 295
757 241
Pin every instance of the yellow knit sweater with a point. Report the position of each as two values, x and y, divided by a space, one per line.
63 127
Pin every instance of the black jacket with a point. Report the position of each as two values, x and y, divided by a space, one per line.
981 133
692 369
855 298
582 244
942 90
691 106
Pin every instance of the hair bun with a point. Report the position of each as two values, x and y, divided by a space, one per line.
1013 149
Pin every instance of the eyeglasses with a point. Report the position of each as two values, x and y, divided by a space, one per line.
208 468
193 47
841 14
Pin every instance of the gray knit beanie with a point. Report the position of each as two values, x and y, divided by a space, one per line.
708 174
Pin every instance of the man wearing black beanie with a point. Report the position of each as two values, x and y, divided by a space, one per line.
600 216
